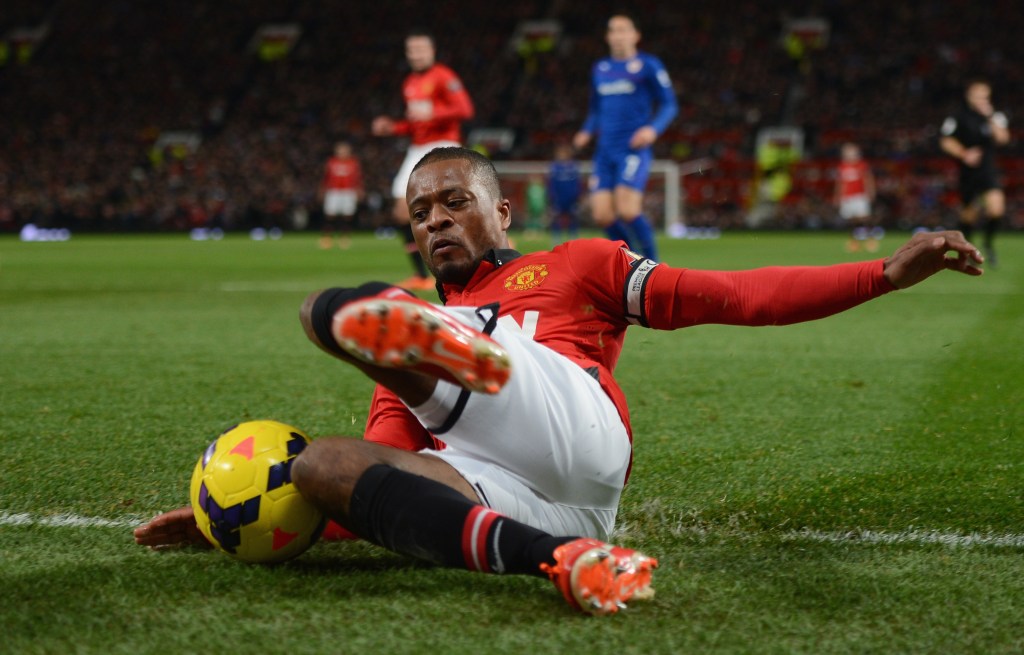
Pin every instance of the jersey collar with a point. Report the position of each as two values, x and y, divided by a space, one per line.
492 260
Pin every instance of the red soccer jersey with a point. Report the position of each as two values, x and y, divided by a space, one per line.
852 178
342 174
579 298
440 89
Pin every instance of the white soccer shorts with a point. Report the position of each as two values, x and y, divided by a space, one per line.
340 202
549 450
412 156
858 206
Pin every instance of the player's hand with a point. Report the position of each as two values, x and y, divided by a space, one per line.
643 137
580 140
925 255
382 126
174 528
971 157
420 111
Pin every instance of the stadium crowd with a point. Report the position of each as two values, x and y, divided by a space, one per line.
169 115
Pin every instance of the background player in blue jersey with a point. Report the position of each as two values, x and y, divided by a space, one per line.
631 104
564 189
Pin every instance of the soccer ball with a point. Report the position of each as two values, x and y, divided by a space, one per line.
243 497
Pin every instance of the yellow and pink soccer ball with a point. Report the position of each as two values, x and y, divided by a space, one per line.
243 497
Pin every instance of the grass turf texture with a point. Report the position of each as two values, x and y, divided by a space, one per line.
761 456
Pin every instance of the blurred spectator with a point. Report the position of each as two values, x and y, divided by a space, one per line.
84 106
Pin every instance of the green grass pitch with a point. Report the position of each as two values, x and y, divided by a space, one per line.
852 485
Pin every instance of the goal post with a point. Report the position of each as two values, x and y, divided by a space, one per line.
667 172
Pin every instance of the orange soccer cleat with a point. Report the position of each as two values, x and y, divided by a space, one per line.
599 578
412 334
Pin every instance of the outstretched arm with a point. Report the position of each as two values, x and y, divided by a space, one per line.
781 295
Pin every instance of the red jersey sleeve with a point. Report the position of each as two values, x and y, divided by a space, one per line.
390 423
676 297
452 102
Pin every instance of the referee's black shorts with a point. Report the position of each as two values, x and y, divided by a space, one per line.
974 183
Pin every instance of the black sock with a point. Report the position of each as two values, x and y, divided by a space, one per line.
331 300
413 251
967 229
991 227
417 516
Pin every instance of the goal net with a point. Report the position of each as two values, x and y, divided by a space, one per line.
663 198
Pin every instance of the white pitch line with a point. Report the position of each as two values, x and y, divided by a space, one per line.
910 537
914 537
68 520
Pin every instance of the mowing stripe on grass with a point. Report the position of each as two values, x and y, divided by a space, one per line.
275 287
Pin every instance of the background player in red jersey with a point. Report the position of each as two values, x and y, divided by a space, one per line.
533 340
855 191
342 189
436 105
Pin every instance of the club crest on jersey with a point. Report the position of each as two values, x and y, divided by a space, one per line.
634 66
527 277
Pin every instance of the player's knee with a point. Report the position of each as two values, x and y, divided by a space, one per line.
327 470
400 211
995 204
318 310
310 472
603 217
303 470
628 206
319 471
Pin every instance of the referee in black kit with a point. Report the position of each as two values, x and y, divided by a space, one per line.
970 136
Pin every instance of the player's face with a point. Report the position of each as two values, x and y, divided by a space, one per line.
455 219
979 97
622 37
419 52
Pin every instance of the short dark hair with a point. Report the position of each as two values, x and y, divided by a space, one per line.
420 32
482 166
628 16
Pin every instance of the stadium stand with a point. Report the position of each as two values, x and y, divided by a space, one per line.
163 115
